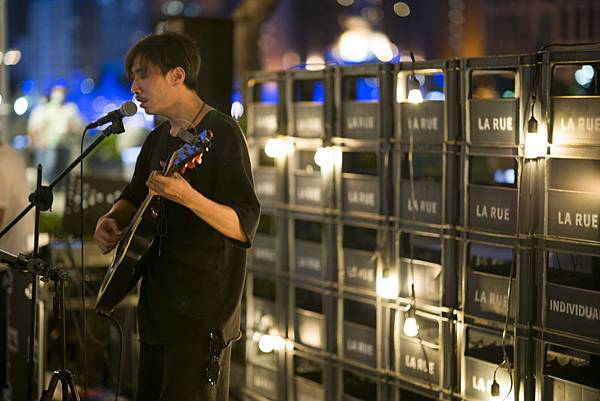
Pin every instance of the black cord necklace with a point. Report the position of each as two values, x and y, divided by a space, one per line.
197 114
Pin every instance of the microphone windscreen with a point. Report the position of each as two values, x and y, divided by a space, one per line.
128 109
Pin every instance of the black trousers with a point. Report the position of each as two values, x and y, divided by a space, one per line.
177 372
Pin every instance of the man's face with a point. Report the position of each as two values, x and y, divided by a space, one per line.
150 87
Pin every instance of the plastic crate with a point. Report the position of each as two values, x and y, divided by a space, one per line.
496 93
361 385
568 370
426 357
486 271
310 186
491 194
309 103
270 181
573 201
268 251
572 106
363 182
360 340
428 262
481 355
363 247
266 310
315 317
266 113
571 290
425 180
312 248
437 119
313 378
265 382
363 96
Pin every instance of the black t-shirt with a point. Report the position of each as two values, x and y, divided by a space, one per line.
196 281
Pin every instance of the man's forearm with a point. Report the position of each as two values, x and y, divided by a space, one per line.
221 217
122 211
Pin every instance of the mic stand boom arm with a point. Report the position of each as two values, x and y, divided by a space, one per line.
42 199
43 196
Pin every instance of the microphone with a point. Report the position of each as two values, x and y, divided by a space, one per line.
127 109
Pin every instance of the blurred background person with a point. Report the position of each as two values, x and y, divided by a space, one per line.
54 127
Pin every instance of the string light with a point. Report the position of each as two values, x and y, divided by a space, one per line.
414 94
535 145
410 328
325 157
276 148
270 342
387 285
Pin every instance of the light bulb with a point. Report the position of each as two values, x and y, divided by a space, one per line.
269 342
324 157
414 94
535 145
388 286
276 147
410 328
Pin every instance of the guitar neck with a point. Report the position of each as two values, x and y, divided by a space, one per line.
139 214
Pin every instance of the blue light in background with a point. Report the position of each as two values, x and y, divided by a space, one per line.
318 92
269 93
438 79
367 89
435 95
20 142
27 87
236 95
505 176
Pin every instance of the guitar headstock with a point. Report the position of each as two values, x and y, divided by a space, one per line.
190 154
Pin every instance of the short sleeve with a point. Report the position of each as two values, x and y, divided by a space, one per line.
135 192
236 190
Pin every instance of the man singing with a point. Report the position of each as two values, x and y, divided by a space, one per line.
191 292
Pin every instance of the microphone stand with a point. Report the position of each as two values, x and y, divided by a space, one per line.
41 200
38 267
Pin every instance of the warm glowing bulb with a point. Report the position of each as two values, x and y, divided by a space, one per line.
415 96
535 145
324 157
388 287
275 147
411 328
268 343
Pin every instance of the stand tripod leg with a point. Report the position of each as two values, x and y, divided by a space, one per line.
49 392
66 381
69 379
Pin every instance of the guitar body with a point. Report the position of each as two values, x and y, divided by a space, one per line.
131 256
128 265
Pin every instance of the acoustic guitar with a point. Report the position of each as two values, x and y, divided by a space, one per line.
131 255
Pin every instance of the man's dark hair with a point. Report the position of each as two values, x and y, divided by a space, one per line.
167 51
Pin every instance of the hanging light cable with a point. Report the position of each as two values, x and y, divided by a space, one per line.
414 94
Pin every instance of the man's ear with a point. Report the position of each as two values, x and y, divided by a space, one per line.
177 76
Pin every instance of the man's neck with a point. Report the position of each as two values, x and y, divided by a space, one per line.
187 112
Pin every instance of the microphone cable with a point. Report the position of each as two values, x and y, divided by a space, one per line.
83 308
114 321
